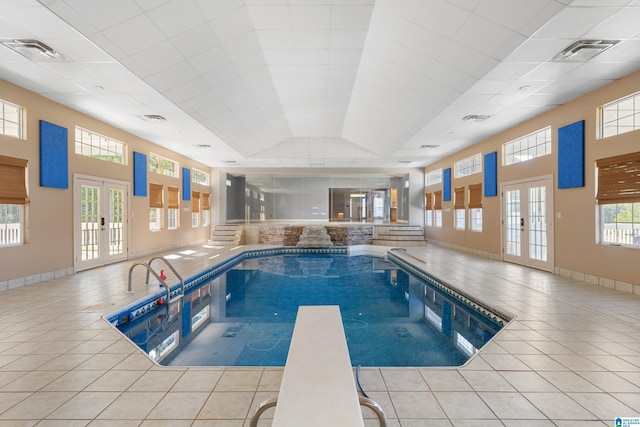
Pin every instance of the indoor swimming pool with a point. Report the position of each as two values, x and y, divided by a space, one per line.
244 314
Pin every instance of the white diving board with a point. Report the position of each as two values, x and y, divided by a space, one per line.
318 388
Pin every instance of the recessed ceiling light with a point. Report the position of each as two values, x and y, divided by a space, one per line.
474 118
34 50
430 146
584 50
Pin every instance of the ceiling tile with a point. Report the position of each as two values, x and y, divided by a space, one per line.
310 17
134 35
176 17
442 17
574 22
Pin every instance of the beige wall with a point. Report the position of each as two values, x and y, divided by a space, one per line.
576 249
50 212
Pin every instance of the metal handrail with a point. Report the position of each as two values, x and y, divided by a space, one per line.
364 401
173 270
149 270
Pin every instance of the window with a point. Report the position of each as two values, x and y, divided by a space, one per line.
206 207
11 119
155 206
620 116
13 200
437 209
173 207
475 207
428 206
459 208
195 208
528 147
618 199
468 166
434 177
100 147
163 166
199 177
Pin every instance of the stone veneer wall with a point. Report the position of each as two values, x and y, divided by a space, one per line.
341 235
350 235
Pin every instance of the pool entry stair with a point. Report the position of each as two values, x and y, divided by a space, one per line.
318 388
226 235
404 236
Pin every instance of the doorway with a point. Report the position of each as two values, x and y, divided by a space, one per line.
527 223
101 225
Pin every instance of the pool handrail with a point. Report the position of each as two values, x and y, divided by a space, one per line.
149 270
173 270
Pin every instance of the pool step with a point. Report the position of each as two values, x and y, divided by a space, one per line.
401 236
226 235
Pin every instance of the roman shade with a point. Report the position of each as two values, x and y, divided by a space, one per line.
13 176
437 203
619 179
428 204
475 196
173 197
195 201
458 203
155 195
206 201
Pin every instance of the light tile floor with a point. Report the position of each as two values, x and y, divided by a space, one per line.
571 357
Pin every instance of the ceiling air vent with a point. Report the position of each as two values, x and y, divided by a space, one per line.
584 50
154 117
429 146
474 118
34 50
405 162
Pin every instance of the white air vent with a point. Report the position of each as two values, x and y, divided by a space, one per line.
584 50
429 146
154 117
474 118
34 50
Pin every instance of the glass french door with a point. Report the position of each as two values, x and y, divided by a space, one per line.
100 222
527 226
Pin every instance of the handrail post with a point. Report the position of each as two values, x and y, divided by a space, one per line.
269 403
173 270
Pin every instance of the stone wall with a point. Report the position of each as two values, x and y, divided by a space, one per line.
341 235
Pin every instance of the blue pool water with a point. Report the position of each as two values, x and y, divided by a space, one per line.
245 316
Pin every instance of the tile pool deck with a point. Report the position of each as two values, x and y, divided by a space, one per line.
570 358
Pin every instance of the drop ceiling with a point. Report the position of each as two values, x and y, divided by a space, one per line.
316 83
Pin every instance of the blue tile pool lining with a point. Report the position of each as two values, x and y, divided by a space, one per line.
150 302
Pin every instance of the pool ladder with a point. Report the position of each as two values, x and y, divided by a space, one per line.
163 283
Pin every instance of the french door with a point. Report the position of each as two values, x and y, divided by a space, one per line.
527 223
100 222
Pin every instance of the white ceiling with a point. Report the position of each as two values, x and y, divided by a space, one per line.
316 83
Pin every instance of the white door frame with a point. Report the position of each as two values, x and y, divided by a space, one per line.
104 259
549 264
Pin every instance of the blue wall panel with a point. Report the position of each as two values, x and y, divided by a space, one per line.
186 184
491 174
446 191
54 156
571 155
139 174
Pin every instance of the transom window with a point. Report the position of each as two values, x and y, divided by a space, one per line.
620 116
199 177
100 147
468 166
163 166
11 119
434 177
536 144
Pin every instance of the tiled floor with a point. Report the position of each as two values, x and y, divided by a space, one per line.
570 358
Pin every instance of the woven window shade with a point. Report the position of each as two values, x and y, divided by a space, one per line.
458 203
173 197
475 196
206 201
195 201
13 176
155 195
619 179
437 203
428 204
